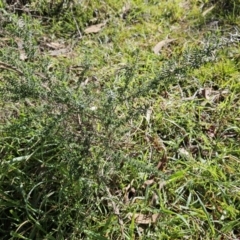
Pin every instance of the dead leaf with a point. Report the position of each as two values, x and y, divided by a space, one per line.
19 43
148 115
184 154
206 92
162 163
211 131
162 44
55 45
158 144
129 192
155 200
148 182
58 52
125 10
213 96
5 39
145 218
47 44
23 55
161 185
208 10
94 28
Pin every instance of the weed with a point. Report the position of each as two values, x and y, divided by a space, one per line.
103 138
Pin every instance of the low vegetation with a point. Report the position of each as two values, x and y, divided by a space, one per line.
120 119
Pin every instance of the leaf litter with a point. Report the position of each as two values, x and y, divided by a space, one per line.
94 28
158 47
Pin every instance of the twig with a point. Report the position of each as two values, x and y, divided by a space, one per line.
115 210
10 67
79 32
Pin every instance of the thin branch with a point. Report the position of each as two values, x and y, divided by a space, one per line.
10 67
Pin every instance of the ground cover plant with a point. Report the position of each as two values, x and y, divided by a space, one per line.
119 119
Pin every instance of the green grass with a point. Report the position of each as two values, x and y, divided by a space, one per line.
101 138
